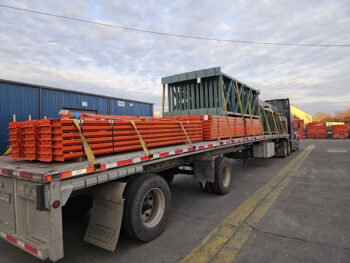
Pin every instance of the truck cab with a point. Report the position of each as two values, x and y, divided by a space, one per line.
283 108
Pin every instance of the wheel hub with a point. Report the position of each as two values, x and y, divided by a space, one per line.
153 207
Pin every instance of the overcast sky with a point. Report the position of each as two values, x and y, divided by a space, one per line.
80 56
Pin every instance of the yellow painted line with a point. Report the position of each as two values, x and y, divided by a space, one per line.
225 240
229 251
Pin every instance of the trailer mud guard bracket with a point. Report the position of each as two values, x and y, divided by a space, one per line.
106 218
204 168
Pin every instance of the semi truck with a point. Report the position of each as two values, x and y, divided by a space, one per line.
130 190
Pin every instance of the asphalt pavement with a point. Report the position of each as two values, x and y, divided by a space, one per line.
306 220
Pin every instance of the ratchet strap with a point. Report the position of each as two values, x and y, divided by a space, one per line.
267 121
274 122
89 153
225 106
260 117
187 138
250 115
163 101
240 106
144 146
8 151
112 124
281 123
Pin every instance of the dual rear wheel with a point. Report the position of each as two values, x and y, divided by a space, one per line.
222 177
148 200
146 208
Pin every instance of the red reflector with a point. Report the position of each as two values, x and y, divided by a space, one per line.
48 178
3 171
201 147
90 169
190 149
31 249
10 238
103 166
25 175
178 151
163 154
144 158
124 162
210 145
66 174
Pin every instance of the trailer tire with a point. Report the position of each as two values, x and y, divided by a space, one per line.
146 207
222 176
288 148
284 148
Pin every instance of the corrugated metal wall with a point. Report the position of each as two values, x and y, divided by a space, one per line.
19 100
23 99
53 101
124 107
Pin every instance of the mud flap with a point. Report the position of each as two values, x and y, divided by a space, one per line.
204 169
106 218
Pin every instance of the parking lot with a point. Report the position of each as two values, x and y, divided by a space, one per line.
293 209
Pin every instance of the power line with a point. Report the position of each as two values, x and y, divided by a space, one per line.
172 34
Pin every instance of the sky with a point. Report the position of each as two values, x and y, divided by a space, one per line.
110 61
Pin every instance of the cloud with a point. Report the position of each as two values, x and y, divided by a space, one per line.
99 59
223 27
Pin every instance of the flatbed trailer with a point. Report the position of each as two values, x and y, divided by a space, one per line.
32 194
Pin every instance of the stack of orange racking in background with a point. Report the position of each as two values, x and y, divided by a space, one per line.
340 131
299 128
317 130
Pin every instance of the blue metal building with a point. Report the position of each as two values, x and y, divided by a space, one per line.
25 99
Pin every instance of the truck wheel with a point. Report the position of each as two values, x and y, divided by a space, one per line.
222 176
146 208
288 148
284 149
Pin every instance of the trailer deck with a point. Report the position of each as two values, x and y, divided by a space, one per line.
46 172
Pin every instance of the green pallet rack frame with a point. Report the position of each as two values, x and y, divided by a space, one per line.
272 123
200 92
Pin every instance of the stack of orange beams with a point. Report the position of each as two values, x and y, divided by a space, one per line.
59 139
217 125
214 125
15 137
257 127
